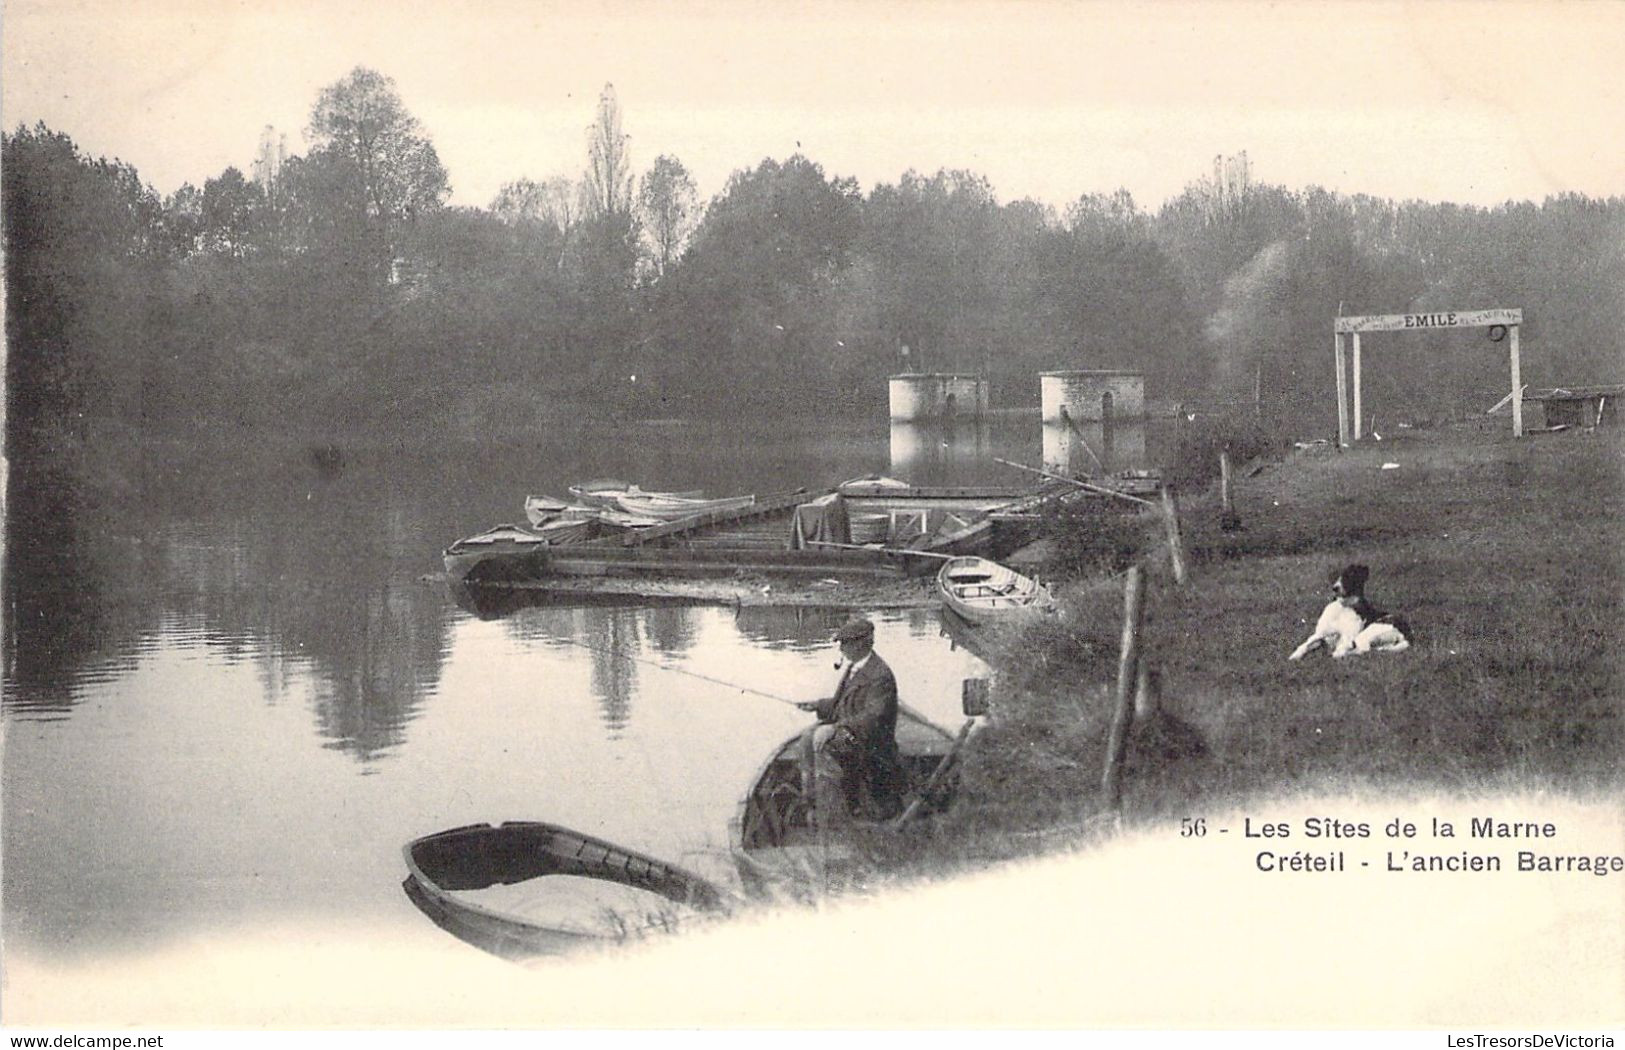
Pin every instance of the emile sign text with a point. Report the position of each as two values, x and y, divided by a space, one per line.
1443 319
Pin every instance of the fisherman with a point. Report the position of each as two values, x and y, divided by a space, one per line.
856 769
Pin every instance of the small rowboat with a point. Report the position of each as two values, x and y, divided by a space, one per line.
773 836
605 492
542 509
510 550
670 508
983 591
558 889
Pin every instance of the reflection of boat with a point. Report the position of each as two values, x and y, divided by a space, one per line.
510 551
983 591
669 507
577 889
966 635
604 492
773 835
509 597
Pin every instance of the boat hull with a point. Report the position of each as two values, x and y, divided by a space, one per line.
675 508
481 856
510 552
772 837
982 592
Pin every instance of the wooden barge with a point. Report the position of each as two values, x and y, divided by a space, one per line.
871 527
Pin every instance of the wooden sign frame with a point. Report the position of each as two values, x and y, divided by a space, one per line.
1351 327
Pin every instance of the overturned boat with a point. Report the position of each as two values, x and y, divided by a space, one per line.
606 492
524 889
670 507
544 510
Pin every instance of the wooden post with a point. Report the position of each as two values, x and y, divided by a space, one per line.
1342 392
973 697
1359 407
809 788
1229 520
1517 386
1176 545
935 780
1147 693
1111 781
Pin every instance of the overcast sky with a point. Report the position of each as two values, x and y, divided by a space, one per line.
1469 102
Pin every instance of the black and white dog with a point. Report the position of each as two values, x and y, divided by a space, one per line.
1350 624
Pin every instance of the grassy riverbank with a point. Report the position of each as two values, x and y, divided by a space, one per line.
1506 556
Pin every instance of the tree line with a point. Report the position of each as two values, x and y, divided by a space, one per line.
337 292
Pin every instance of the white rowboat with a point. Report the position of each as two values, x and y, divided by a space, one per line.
983 591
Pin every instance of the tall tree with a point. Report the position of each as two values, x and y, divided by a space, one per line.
396 174
669 202
754 314
231 206
931 238
554 202
609 166
518 201
84 241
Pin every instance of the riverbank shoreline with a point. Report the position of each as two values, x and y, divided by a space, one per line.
1506 555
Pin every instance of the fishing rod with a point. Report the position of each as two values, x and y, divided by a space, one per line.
1075 481
624 655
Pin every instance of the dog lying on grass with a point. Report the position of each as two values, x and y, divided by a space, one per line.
1350 624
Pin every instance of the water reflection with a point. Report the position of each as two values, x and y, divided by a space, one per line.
263 561
789 627
613 638
937 452
616 633
309 568
962 634
62 568
379 667
1095 448
671 630
218 660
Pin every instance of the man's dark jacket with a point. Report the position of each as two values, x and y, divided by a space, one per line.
864 713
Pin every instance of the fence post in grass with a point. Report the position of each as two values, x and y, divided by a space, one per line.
1128 660
1147 691
1176 545
1229 520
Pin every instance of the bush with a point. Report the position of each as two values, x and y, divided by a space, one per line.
1095 536
1195 458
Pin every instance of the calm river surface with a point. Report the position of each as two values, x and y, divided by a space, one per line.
235 691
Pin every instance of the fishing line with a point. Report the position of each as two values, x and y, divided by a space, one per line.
624 655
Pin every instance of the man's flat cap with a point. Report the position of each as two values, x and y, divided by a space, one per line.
854 630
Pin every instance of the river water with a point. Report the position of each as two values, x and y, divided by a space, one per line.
235 685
